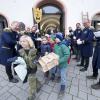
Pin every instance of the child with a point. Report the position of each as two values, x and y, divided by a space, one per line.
28 52
45 49
67 42
63 51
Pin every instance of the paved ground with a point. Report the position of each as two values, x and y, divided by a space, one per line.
78 87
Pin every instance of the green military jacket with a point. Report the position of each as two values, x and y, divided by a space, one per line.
29 58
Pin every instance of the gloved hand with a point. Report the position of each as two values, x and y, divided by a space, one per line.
79 42
74 38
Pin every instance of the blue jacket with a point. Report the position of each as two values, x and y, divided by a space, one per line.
9 39
34 36
77 33
67 42
7 46
96 55
87 47
45 48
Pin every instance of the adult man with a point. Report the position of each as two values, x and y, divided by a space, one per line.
96 62
33 33
77 34
9 39
87 45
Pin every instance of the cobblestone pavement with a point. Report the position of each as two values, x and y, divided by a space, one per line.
78 87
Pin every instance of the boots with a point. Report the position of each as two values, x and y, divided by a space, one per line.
80 65
13 80
39 86
91 77
96 86
31 97
83 69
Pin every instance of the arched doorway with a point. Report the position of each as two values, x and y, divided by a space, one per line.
96 21
3 23
53 15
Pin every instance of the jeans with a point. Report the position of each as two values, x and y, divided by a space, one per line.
60 71
63 76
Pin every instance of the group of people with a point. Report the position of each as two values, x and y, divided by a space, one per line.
31 46
82 44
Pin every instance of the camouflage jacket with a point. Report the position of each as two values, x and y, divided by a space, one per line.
29 58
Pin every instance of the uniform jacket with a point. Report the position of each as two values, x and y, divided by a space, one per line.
96 55
77 33
87 47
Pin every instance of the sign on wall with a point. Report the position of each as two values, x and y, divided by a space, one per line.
37 14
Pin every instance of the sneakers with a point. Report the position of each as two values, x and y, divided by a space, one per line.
52 78
14 80
91 77
62 90
83 69
96 86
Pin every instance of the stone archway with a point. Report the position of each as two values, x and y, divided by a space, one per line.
54 16
3 23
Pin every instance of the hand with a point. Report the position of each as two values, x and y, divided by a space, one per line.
56 62
40 57
69 47
79 42
74 38
46 53
16 47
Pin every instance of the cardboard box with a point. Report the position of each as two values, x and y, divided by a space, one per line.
49 61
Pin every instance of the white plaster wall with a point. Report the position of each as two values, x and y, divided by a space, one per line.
21 10
76 7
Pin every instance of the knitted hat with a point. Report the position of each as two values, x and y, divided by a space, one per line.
59 36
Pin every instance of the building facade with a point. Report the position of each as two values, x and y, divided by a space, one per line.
67 13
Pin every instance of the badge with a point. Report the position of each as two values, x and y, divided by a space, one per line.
85 32
79 31
38 14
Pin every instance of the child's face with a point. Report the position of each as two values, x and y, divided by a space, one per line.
44 41
24 43
57 40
